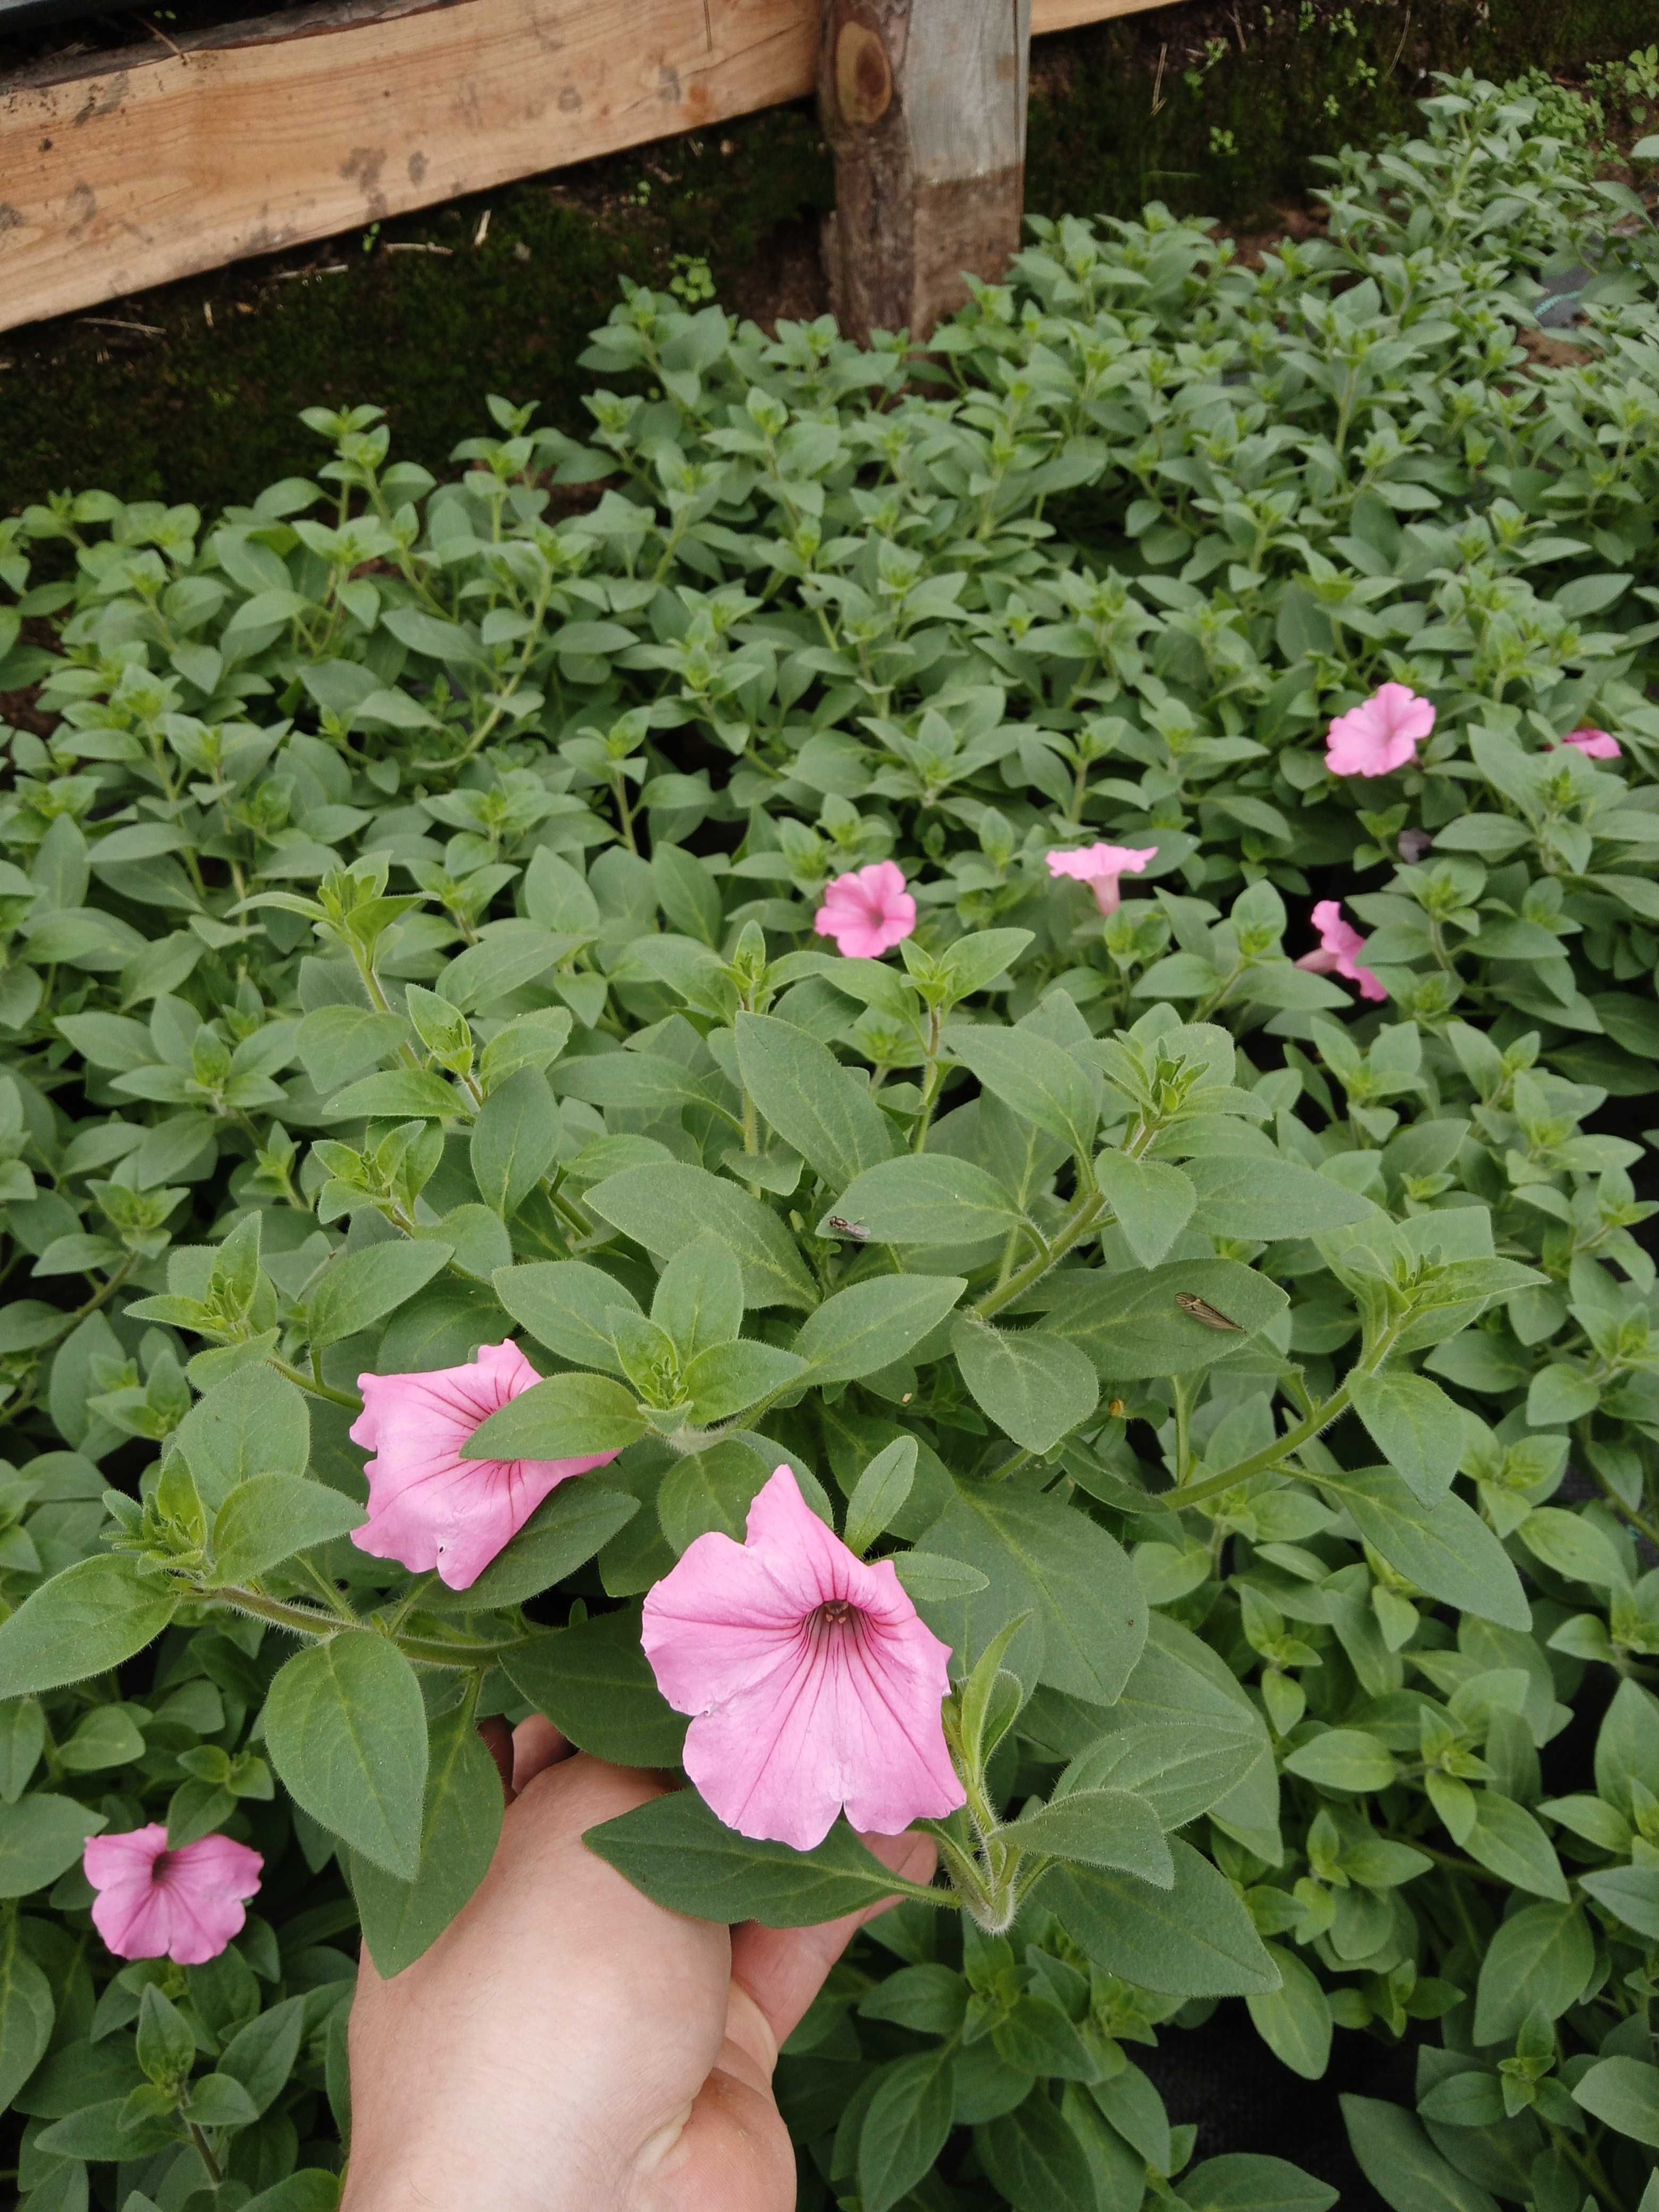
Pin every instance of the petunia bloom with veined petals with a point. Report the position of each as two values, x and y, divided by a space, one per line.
867 912
1340 947
428 1507
1594 745
1380 734
813 1684
153 1903
1100 867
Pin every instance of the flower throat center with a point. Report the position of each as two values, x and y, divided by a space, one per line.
837 1612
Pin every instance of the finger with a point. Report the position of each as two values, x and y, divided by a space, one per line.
537 1745
783 1969
498 1742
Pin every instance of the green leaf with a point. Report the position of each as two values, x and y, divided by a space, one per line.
270 1517
217 2101
594 1683
1401 2164
641 1082
563 1304
726 1378
39 1838
1130 1326
260 2058
1542 1955
821 1109
460 1822
1575 1548
1447 1550
680 1855
345 1726
1038 1080
1630 1894
1415 1426
22 1739
567 1417
1152 1202
1049 1560
1506 1839
1343 1759
515 1140
1101 1828
166 2041
27 2012
1626 1745
1241 1195
1193 1939
1181 1767
1035 1388
1035 2160
255 1422
1558 1395
880 1493
565 1531
1294 2020
869 1325
931 1580
905 2126
699 1299
667 1204
90 1618
1245 2181
925 1198
402 1094
712 1489
1625 2093
359 1288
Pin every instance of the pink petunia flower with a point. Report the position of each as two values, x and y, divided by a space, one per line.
428 1507
1100 867
867 912
1340 947
1594 745
153 1903
812 1684
1381 734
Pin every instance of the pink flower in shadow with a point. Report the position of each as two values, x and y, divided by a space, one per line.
1340 947
867 912
428 1507
153 1903
1380 734
813 1684
1594 745
1100 867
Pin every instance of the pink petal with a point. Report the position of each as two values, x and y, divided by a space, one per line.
185 1905
1594 745
1340 946
1380 734
428 1507
796 1716
868 911
1088 863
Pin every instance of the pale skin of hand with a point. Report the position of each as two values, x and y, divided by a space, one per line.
567 2044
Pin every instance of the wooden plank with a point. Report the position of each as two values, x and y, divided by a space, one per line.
923 102
266 135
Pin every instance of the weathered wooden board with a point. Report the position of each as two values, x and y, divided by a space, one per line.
267 134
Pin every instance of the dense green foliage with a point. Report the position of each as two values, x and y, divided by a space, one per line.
408 943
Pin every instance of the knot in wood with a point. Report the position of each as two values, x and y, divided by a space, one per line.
864 75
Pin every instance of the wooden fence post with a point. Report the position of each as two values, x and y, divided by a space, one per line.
923 102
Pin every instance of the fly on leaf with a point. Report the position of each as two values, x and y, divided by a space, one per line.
1201 1310
855 1229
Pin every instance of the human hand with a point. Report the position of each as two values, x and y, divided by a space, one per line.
566 2042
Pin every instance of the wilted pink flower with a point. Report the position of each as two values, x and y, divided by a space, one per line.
153 1903
867 912
1339 948
813 1684
1100 867
1594 745
428 1507
1380 734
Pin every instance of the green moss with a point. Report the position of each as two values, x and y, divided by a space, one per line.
1163 106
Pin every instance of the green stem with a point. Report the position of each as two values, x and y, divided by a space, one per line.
314 1388
215 2172
321 1628
930 1081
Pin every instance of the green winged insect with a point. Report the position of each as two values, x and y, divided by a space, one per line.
855 1229
1201 1310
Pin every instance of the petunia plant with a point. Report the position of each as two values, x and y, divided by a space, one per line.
917 1093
